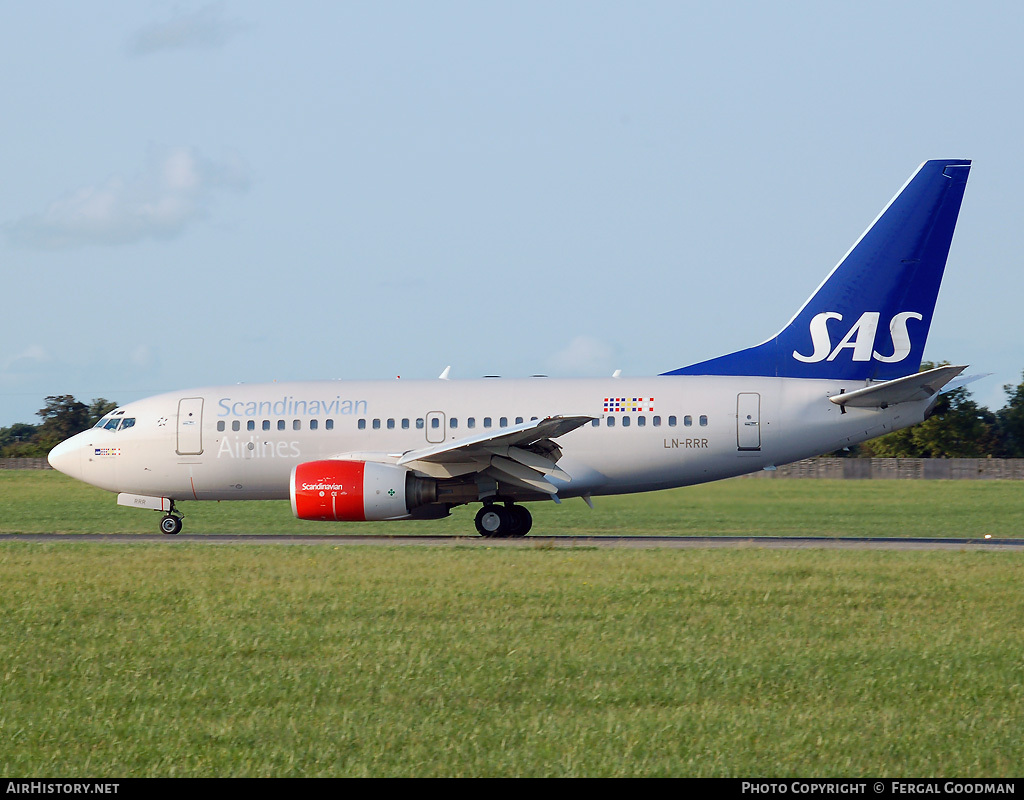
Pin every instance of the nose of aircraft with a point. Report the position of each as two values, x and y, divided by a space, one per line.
67 457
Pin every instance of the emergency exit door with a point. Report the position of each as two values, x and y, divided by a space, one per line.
748 421
435 427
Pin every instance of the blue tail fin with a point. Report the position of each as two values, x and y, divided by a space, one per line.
871 315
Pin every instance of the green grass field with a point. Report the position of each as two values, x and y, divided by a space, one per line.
47 502
199 660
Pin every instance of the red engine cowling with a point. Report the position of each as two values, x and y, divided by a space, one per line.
354 491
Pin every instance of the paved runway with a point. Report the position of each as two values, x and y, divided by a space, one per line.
561 542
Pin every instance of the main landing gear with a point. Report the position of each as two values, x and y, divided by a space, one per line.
171 524
502 522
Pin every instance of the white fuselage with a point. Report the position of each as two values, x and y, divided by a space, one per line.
241 442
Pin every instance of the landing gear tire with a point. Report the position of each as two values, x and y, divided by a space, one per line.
497 522
170 525
493 521
522 521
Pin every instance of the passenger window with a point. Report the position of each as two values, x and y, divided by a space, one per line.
280 424
250 425
487 422
641 421
503 422
519 420
220 425
625 422
313 424
435 423
236 425
611 422
595 423
296 424
361 424
656 421
391 424
453 422
376 424
471 422
687 421
330 425
266 424
671 422
419 423
405 424
703 419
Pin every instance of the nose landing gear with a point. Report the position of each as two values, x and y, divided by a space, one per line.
171 524
502 522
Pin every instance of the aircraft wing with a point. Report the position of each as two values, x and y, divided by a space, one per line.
920 386
524 455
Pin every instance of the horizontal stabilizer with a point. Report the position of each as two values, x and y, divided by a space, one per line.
963 380
919 386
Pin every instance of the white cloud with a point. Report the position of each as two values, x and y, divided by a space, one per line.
175 188
143 357
204 29
584 355
28 360
30 363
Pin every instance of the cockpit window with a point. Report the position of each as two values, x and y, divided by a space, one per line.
115 423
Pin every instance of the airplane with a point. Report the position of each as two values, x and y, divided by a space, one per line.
843 370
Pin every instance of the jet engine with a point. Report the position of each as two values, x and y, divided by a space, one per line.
354 491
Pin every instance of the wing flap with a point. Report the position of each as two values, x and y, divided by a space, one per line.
507 468
542 464
523 455
522 435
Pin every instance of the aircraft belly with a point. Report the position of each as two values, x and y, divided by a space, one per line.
245 479
647 462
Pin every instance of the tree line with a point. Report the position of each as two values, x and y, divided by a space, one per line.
957 428
62 416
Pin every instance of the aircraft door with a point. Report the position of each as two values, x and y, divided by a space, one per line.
435 427
190 426
748 421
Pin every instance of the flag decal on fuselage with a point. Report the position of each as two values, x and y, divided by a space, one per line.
627 405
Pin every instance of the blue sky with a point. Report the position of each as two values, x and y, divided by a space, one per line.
199 193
